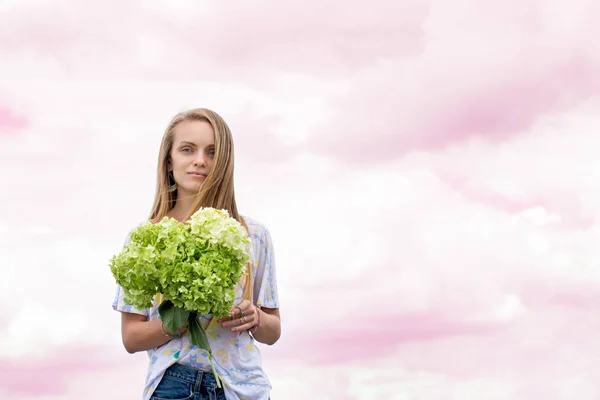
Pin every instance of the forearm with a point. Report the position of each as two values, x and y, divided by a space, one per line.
269 330
143 335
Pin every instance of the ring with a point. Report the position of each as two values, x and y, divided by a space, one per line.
241 312
242 320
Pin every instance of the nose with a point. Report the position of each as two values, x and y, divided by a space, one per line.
199 161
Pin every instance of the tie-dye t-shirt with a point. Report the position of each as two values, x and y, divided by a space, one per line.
236 357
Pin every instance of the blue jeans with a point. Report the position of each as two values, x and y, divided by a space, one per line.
181 382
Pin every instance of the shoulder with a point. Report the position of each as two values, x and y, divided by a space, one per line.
255 226
258 231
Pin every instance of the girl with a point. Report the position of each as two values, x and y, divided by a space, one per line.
195 169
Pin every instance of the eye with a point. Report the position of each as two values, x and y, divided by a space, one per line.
211 153
186 149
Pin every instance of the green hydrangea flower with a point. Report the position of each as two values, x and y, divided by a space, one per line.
195 266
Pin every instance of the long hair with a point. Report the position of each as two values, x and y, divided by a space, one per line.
217 190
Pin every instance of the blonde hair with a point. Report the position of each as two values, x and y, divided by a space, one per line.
217 190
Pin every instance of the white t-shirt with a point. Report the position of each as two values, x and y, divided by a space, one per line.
236 358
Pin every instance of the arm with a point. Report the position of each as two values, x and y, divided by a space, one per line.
269 330
139 334
264 323
247 316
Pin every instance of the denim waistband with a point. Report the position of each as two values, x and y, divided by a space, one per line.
192 375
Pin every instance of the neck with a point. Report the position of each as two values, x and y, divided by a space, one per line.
183 204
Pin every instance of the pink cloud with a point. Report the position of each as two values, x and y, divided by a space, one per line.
569 218
454 266
329 38
548 353
567 293
256 141
470 261
556 325
517 176
10 122
488 197
400 120
50 33
53 373
365 336
491 85
547 339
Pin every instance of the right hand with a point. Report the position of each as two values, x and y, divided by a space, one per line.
180 331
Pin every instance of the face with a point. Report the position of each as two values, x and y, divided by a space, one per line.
192 155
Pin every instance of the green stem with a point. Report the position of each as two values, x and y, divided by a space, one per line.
199 338
210 358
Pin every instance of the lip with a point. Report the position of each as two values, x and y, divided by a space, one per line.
197 174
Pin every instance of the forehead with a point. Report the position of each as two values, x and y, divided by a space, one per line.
199 133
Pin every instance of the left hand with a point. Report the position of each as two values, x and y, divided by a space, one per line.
243 317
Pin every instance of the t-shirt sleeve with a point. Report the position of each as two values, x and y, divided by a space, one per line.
119 299
265 284
120 305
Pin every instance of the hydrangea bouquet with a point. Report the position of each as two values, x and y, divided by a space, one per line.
194 265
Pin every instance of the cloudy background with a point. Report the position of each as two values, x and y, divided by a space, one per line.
428 170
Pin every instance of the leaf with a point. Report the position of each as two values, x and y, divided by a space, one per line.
197 334
173 317
198 337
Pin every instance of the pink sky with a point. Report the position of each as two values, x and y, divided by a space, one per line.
428 171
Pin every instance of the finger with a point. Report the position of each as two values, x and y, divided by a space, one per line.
244 309
238 310
244 327
235 313
230 317
237 323
231 323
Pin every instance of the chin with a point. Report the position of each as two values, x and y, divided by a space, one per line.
190 190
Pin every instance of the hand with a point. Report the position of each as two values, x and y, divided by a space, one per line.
183 329
243 317
180 331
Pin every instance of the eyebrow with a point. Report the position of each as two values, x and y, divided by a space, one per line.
187 144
